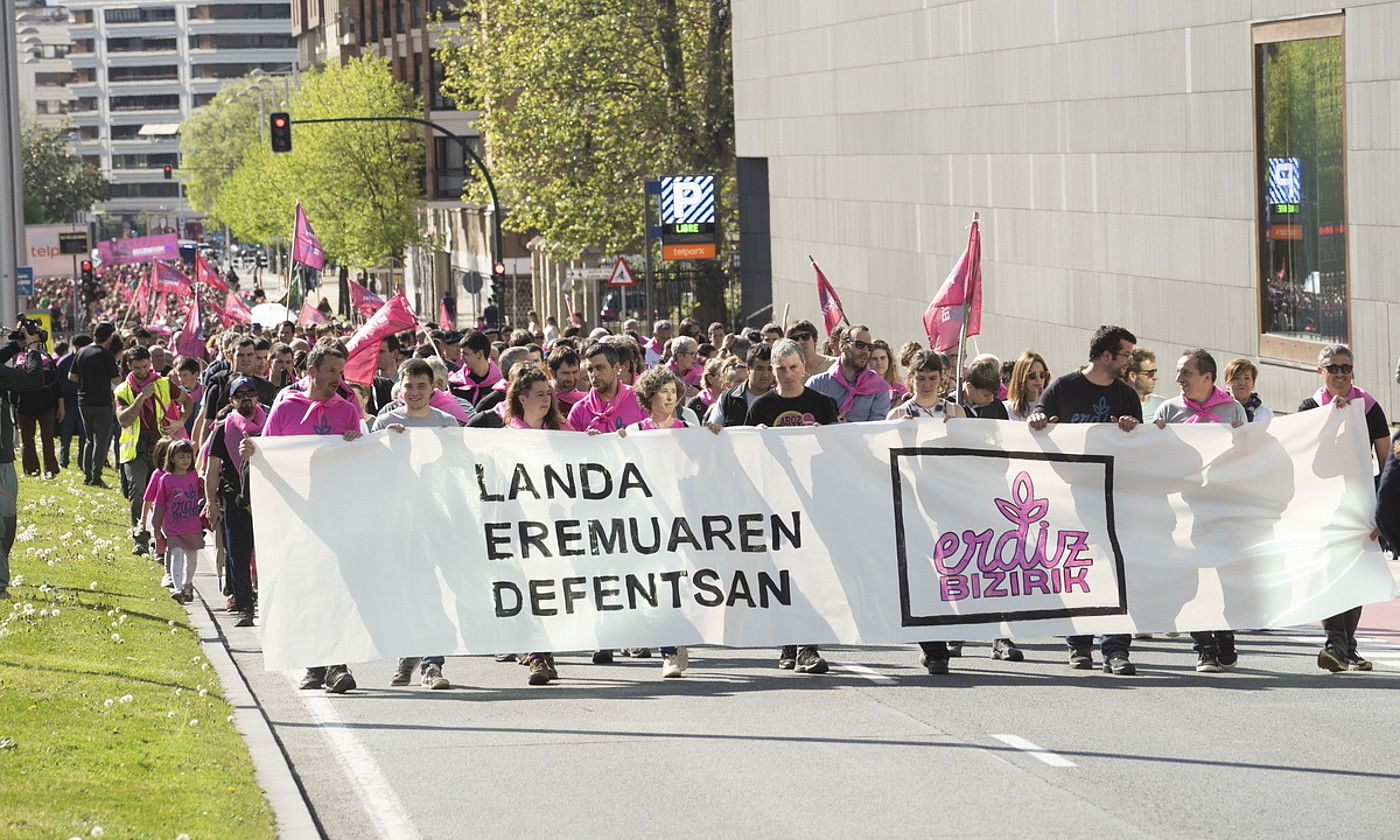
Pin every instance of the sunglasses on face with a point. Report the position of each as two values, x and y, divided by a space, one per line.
1037 376
804 336
1337 368
859 345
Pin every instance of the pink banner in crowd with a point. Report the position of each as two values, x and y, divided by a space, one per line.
363 301
306 248
138 249
310 314
170 280
236 311
362 350
832 311
190 342
205 273
959 299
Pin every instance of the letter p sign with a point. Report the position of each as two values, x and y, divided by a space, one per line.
687 199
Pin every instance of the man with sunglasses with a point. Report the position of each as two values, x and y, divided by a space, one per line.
1143 376
1097 394
860 393
805 334
1335 367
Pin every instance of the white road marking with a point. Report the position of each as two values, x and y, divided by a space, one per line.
384 808
1035 750
868 673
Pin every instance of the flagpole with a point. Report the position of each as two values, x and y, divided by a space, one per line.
962 330
844 319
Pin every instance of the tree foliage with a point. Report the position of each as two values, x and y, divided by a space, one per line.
359 182
57 184
583 101
212 143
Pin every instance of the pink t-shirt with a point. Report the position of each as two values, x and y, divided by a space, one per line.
153 485
618 413
179 496
648 424
298 414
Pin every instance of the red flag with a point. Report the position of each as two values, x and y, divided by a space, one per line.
959 299
306 248
236 311
362 354
205 273
170 280
310 314
190 342
363 301
832 311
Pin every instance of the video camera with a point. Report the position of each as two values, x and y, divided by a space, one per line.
28 327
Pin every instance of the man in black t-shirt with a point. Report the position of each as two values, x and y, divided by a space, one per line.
1335 367
1097 394
216 394
95 370
792 403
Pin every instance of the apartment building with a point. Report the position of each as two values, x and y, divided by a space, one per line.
44 69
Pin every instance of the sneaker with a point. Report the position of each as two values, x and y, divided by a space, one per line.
1119 665
539 671
637 653
506 657
787 658
1227 658
809 661
1332 659
188 592
166 581
97 482
1207 663
1081 659
955 649
601 657
433 679
403 674
550 668
1172 635
245 619
1356 662
1006 649
339 680
1142 637
674 664
315 678
936 667
178 596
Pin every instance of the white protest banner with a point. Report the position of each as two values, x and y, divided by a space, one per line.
480 541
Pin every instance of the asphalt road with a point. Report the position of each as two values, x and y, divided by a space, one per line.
876 748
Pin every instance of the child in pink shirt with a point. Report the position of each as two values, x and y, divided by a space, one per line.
177 506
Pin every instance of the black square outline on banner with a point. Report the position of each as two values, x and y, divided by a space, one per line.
896 484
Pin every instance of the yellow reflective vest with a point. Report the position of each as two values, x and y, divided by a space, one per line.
131 435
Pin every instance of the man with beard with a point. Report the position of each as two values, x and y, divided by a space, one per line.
860 393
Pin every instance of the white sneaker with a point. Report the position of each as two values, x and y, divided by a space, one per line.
675 664
166 581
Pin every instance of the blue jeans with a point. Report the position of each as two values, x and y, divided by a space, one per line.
238 554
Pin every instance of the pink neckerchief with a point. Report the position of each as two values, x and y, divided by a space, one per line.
648 424
517 423
1201 412
463 379
690 377
623 405
707 397
148 411
1323 397
237 427
317 410
569 398
868 382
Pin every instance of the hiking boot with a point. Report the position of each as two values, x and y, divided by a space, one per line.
637 653
1006 649
506 657
188 593
955 649
245 619
787 658
675 664
1081 659
1227 658
1119 665
1207 663
315 678
809 661
1355 662
403 674
339 679
1332 659
602 657
539 671
433 678
936 667
549 666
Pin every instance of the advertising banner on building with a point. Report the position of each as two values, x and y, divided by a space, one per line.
480 541
42 251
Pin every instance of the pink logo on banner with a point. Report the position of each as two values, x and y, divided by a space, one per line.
1024 559
139 249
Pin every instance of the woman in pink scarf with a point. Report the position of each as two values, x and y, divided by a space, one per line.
685 363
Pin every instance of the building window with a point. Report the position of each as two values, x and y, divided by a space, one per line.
1300 112
157 15
451 167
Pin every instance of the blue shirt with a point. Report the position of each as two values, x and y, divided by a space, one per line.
865 407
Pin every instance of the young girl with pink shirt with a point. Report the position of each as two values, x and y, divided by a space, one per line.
148 503
177 506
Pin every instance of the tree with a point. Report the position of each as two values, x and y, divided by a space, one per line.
582 102
213 141
57 185
359 182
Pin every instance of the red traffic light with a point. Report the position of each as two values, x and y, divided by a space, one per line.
169 171
279 121
86 265
499 269
280 124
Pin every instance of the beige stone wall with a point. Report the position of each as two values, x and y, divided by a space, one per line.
1107 143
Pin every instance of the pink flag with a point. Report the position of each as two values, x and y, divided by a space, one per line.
236 311
959 299
832 311
310 314
363 301
143 297
363 347
170 280
205 273
444 317
306 248
190 342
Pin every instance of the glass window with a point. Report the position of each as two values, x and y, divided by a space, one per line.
1299 112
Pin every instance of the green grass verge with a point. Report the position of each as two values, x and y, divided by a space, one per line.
112 722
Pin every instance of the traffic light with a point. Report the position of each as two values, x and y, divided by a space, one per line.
86 268
499 269
281 131
89 281
169 172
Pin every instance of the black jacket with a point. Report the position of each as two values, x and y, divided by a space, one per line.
26 376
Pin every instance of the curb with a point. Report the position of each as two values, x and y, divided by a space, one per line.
272 768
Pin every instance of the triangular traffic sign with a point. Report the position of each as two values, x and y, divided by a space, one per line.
622 274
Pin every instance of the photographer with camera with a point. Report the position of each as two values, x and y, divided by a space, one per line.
26 375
